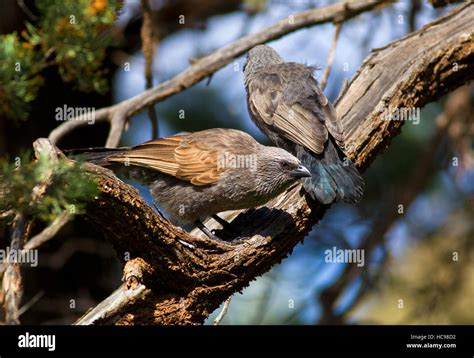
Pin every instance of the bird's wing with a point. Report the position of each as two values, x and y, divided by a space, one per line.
332 122
180 156
287 98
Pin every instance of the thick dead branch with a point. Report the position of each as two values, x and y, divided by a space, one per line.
407 73
188 277
118 114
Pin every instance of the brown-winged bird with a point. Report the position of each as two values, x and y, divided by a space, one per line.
286 103
196 175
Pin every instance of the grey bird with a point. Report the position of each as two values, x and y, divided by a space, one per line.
287 104
196 175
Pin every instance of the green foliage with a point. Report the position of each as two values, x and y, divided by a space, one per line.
72 35
70 187
19 82
77 31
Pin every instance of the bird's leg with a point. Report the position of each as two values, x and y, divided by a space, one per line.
206 231
221 221
226 225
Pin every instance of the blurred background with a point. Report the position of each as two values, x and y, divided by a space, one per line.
415 222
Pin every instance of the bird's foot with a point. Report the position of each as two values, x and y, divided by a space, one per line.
207 232
226 225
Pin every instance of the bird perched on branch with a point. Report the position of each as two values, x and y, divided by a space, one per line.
196 175
286 103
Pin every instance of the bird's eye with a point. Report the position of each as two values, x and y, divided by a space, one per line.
285 165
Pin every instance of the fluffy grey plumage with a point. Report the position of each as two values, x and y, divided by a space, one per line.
195 175
286 103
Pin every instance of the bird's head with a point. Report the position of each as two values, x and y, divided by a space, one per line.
258 58
278 169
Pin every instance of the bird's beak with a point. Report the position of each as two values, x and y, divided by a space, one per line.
300 172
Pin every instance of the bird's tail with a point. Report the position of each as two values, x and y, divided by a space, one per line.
333 176
100 156
96 156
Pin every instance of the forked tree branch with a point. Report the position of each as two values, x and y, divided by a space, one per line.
187 277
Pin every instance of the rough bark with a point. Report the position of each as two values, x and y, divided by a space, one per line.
182 278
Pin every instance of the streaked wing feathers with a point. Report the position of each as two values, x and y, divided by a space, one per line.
179 156
287 98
